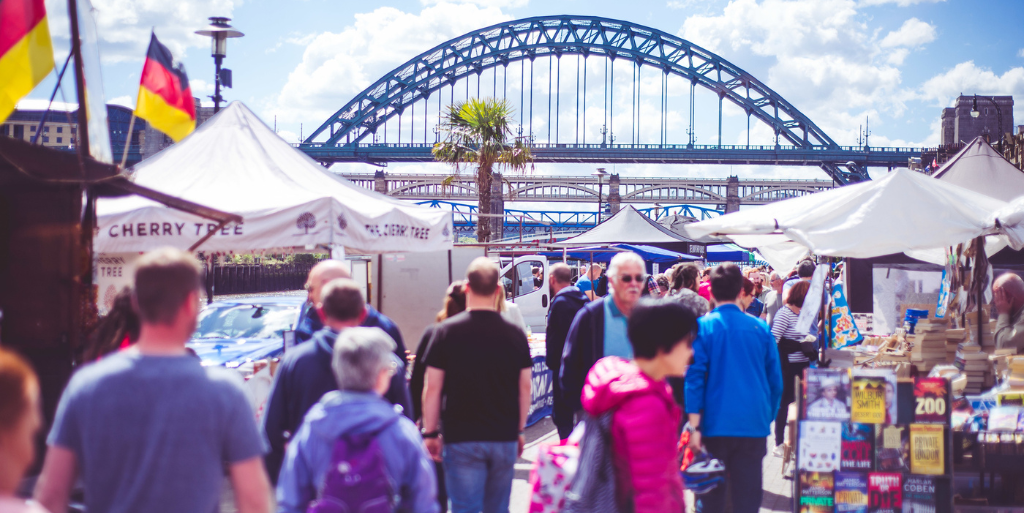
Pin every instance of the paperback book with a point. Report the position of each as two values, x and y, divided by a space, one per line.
927 449
858 446
828 394
892 449
919 494
820 445
816 489
851 492
889 391
931 400
1003 418
868 404
885 492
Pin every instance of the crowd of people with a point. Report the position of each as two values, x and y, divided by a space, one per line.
145 427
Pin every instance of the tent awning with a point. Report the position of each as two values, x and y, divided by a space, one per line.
980 168
234 163
627 226
605 253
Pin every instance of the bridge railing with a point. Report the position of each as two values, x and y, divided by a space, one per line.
619 146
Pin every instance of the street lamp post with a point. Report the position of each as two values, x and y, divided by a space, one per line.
219 31
999 116
600 173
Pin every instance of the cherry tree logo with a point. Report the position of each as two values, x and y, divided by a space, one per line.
342 222
306 221
446 232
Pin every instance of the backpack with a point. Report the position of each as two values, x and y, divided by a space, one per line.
358 479
593 487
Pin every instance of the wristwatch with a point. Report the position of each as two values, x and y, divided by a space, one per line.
690 428
432 434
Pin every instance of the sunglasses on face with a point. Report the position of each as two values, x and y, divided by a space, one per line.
628 278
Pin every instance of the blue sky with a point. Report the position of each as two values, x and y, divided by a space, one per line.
838 61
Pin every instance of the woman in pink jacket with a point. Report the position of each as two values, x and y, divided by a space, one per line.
645 421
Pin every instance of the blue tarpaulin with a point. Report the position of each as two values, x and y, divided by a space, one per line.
727 253
604 254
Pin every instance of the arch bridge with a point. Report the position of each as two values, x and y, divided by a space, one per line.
360 130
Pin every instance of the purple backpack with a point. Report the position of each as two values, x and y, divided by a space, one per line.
358 480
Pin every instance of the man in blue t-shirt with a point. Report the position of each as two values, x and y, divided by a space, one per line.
150 429
588 281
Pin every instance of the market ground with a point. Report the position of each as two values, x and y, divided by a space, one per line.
777 489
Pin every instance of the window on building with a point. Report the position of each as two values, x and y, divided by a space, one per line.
4 131
74 130
19 131
58 140
46 139
60 129
33 128
46 129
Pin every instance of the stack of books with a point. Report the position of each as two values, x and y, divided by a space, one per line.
974 363
954 336
988 328
928 343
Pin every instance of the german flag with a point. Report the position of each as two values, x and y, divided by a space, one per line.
165 98
26 53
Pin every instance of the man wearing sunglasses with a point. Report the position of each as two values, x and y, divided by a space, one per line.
599 328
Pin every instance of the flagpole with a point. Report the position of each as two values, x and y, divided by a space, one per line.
128 140
83 122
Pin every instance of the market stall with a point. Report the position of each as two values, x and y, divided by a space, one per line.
631 227
909 461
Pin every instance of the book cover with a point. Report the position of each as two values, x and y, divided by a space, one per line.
927 449
820 445
885 492
931 400
892 448
1010 399
858 447
889 376
851 492
816 490
919 494
1003 418
868 406
827 394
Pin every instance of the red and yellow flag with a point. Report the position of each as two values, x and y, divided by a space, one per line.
26 53
165 97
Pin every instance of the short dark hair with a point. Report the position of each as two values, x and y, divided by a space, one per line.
164 278
562 273
482 276
797 293
662 281
748 286
342 300
686 276
726 282
659 325
806 269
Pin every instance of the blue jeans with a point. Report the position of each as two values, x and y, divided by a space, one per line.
742 458
479 475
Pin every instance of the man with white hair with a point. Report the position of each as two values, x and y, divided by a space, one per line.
1008 298
362 365
599 328
773 298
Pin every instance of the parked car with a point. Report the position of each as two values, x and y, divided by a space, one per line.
236 332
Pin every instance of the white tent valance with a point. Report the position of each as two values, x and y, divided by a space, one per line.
237 164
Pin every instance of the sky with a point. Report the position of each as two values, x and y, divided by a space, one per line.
896 63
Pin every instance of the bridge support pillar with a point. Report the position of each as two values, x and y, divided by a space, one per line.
732 195
380 182
497 209
614 199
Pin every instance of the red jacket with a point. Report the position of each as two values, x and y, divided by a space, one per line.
644 433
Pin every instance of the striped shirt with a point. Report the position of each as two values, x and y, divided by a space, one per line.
784 326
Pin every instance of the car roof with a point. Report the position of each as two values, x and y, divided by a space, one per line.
261 300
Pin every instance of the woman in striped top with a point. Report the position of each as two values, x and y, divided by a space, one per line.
793 359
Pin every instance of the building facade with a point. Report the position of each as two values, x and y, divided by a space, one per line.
61 129
994 119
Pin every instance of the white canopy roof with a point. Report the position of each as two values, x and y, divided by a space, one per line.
982 169
237 164
627 226
904 210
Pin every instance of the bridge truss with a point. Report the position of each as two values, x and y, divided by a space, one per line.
351 134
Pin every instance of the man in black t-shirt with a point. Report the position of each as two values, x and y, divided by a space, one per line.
479 367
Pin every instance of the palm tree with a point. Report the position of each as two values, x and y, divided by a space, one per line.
478 132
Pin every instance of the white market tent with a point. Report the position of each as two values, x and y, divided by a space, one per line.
980 168
904 210
627 226
235 163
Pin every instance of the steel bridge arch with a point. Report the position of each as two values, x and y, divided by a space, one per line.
515 193
773 194
529 38
428 188
697 193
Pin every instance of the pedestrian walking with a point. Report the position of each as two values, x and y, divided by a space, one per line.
600 327
792 358
353 448
305 375
566 302
117 330
454 304
773 298
20 420
748 299
150 429
645 417
685 286
588 280
477 393
732 393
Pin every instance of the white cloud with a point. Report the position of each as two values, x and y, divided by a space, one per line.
901 3
1020 53
913 33
200 86
124 25
968 78
897 56
338 65
126 101
480 3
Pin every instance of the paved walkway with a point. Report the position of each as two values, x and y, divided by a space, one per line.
778 491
